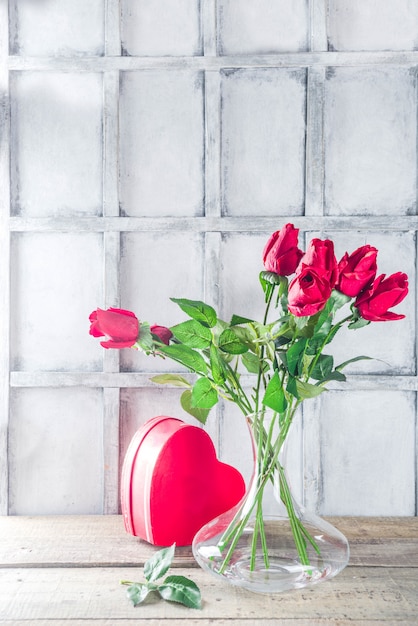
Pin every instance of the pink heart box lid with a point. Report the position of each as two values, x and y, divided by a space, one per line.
173 484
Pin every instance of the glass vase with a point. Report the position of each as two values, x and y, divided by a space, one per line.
269 542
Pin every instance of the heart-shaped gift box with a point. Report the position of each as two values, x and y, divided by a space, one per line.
173 483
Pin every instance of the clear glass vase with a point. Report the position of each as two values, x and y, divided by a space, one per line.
268 542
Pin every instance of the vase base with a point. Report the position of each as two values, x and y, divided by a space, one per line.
281 575
281 570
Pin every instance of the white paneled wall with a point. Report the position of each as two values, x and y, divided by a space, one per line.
161 143
370 113
262 148
153 29
147 150
56 116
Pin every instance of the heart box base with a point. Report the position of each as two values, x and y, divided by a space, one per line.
173 484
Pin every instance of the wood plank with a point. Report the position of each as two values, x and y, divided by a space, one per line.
77 540
95 593
219 622
83 541
372 529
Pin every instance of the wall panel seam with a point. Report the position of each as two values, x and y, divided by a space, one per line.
318 25
314 183
285 59
142 379
111 252
209 27
214 223
112 28
4 258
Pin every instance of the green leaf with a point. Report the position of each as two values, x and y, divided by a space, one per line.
186 356
268 288
159 563
186 403
192 334
280 327
335 375
217 365
291 387
253 364
230 342
138 592
357 358
305 326
323 367
323 321
197 310
204 396
359 323
274 396
306 362
333 332
302 322
181 589
293 355
306 390
237 319
245 335
171 379
314 345
339 299
145 341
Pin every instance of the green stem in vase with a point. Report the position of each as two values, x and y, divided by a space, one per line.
269 454
263 537
293 519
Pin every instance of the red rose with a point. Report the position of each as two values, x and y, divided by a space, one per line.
320 257
383 294
308 292
357 270
164 334
281 254
120 327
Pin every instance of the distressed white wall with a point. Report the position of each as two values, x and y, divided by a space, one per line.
147 150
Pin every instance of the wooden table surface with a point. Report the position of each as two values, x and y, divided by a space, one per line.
67 570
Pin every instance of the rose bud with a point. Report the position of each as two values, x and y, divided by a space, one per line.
357 270
164 334
281 254
383 294
320 257
120 327
308 292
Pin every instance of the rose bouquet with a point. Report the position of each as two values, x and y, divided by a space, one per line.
309 296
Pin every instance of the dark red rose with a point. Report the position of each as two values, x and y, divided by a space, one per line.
281 254
164 334
120 327
383 294
320 257
357 270
308 292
